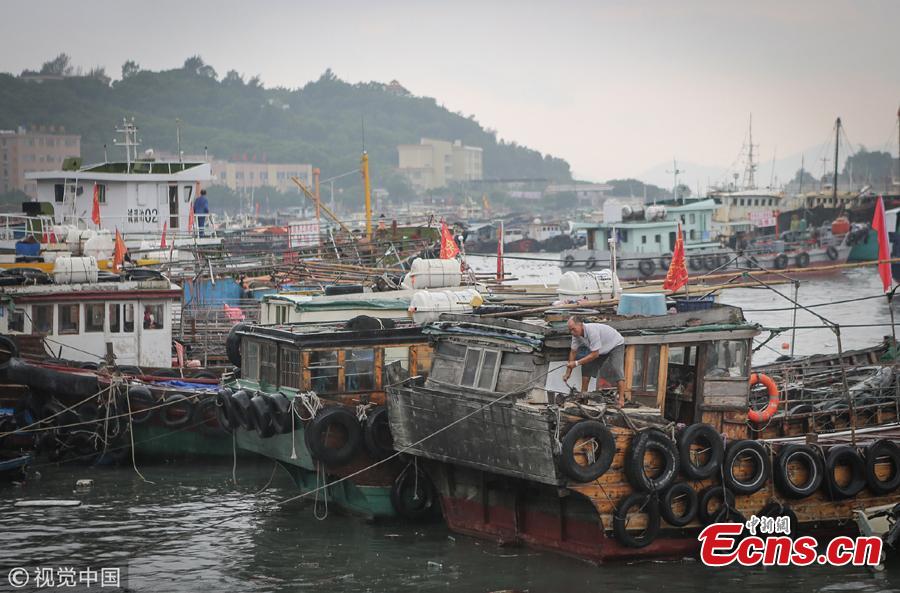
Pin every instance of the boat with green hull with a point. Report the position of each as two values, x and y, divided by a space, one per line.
310 396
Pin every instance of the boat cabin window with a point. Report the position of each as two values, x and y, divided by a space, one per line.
94 317
153 316
448 357
59 193
173 206
681 383
101 193
16 321
323 371
68 318
290 368
480 368
727 359
250 360
359 370
399 355
42 319
118 323
188 191
645 374
268 363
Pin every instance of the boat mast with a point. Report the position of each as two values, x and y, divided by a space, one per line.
837 143
750 172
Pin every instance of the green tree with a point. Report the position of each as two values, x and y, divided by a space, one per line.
129 69
61 65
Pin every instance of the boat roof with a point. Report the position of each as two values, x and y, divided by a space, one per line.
85 291
134 171
392 300
319 334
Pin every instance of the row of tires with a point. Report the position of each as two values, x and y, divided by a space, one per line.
269 414
173 410
744 466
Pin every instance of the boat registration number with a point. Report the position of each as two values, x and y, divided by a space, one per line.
143 215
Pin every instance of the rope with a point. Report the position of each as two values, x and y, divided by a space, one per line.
131 436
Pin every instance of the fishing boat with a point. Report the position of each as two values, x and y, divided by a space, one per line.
311 397
518 456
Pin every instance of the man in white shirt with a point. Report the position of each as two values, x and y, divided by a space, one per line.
605 356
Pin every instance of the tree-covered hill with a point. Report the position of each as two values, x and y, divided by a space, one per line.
320 123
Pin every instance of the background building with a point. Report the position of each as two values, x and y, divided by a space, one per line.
243 176
40 148
432 163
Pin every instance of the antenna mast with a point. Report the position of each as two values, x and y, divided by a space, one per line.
675 171
750 170
837 142
130 140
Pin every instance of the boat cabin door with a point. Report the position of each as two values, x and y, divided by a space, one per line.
173 206
122 333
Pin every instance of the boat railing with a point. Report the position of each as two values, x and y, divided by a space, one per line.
15 226
205 326
126 224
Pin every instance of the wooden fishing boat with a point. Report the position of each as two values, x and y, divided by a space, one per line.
519 457
311 397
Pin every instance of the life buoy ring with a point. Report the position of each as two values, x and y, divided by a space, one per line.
801 260
413 494
177 411
844 455
377 433
651 440
766 414
262 415
757 456
587 430
644 503
568 261
319 427
700 437
784 474
590 263
879 452
831 252
780 262
646 267
679 494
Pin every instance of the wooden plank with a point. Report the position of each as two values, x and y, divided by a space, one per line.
629 370
663 377
727 387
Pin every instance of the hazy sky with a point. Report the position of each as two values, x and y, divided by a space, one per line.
614 87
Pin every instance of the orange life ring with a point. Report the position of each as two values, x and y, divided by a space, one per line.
769 411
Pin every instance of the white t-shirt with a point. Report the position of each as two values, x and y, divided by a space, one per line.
598 337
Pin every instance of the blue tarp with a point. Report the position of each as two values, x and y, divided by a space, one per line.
187 385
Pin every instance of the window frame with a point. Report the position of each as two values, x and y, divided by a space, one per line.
59 319
479 368
51 325
87 316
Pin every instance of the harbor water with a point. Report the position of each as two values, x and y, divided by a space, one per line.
188 526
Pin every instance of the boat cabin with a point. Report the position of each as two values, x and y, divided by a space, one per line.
653 229
78 321
330 359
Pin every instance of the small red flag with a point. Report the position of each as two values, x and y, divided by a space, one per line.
884 252
677 276
449 248
95 212
118 252
162 241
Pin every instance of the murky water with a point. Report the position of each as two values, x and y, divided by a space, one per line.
193 529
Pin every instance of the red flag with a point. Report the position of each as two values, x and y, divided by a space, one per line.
95 212
449 248
162 241
884 252
677 276
118 252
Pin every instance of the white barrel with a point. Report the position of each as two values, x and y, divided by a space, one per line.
100 246
75 270
593 286
655 212
427 305
77 238
433 273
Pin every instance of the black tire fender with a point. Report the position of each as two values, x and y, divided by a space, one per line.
8 350
704 435
377 433
832 252
140 402
762 466
801 260
875 453
568 261
224 413
241 410
178 411
646 267
590 263
776 509
645 503
849 456
678 492
233 344
261 412
318 427
641 443
282 411
413 495
814 466
726 508
780 262
587 429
